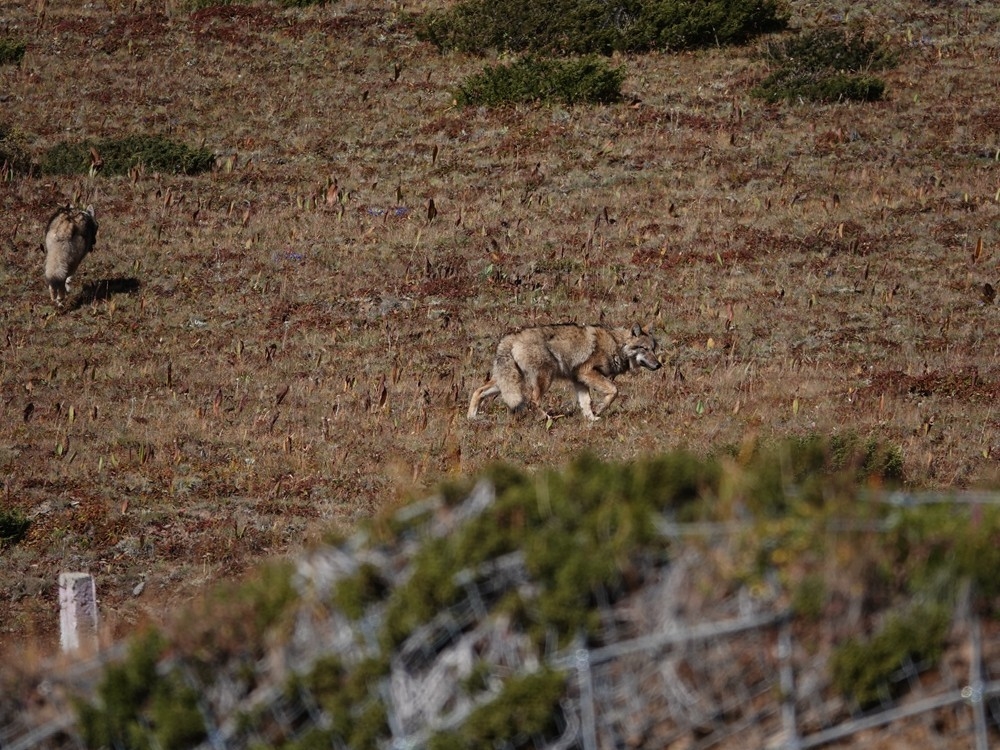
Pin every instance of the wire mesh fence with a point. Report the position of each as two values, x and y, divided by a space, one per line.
669 668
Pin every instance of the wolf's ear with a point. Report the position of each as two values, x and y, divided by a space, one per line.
637 330
90 210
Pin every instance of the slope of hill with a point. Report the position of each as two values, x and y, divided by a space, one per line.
288 341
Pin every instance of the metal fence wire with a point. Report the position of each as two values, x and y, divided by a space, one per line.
734 673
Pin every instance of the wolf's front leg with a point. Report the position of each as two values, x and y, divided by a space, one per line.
583 397
604 388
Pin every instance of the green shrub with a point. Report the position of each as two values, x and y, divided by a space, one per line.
139 707
119 155
431 589
455 491
862 669
349 696
14 526
809 597
526 708
354 594
11 51
588 27
814 469
825 65
830 49
948 541
585 80
478 679
268 596
689 24
791 85
581 530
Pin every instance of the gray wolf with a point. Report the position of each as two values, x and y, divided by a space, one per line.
70 234
589 356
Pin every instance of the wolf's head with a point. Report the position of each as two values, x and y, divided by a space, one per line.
87 221
640 348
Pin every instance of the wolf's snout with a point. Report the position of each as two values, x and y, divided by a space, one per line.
650 362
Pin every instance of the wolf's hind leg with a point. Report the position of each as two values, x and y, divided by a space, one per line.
487 391
513 395
540 384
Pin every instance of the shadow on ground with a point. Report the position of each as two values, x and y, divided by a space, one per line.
103 289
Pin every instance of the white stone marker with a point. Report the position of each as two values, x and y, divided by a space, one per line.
77 611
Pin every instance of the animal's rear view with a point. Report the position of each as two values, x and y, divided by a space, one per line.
590 357
71 234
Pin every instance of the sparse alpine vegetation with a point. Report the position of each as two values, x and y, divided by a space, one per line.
192 5
825 65
585 27
584 80
116 156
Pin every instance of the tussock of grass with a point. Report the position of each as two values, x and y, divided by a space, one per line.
584 27
825 66
119 155
12 152
14 526
11 51
588 80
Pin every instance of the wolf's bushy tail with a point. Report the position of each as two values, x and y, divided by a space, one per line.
508 376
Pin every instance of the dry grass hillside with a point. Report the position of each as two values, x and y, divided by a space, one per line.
289 341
